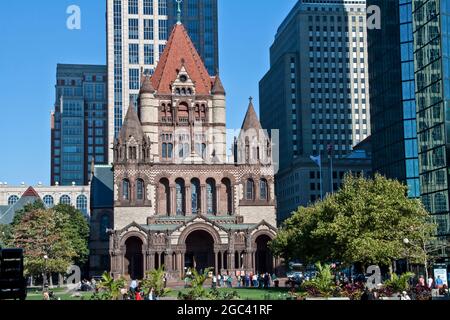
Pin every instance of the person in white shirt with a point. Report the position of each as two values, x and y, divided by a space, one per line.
430 282
214 282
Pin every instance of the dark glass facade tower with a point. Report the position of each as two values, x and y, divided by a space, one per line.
79 123
392 98
432 52
200 17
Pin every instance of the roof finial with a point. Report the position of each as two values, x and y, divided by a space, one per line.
179 11
251 99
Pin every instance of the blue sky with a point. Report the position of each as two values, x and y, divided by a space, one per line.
34 38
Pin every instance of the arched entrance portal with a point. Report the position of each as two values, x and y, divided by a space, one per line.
134 259
264 259
200 251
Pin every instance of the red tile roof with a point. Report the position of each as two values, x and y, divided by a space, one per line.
30 193
180 51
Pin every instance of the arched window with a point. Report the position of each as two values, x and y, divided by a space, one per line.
169 151
65 199
82 204
12 200
195 192
203 150
140 189
104 225
250 190
263 190
181 197
164 196
164 151
211 196
126 190
49 201
227 193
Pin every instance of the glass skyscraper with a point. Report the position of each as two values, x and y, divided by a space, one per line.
392 98
431 25
79 123
137 33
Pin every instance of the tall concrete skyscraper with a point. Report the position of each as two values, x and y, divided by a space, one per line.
79 123
317 94
137 32
392 95
431 25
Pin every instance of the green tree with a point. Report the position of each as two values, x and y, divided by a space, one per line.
5 235
46 246
366 222
76 228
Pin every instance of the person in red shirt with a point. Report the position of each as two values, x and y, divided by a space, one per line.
138 295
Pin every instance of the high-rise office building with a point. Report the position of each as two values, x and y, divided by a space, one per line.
317 94
137 32
431 25
79 123
392 94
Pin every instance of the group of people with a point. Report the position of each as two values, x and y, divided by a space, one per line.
248 280
262 281
222 281
137 293
429 284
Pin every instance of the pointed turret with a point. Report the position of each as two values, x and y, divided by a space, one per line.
147 86
251 120
218 88
131 126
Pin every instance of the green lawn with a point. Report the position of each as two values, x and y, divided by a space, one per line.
251 293
59 293
244 293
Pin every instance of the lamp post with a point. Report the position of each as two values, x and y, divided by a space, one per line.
407 242
45 272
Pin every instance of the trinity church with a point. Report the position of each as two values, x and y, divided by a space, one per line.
180 200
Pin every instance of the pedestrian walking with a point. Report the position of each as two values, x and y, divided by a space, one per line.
430 282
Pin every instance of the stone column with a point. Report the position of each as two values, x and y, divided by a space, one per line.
219 210
151 260
216 264
231 261
188 201
173 201
168 261
182 263
203 201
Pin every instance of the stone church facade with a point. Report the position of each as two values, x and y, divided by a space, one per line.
180 201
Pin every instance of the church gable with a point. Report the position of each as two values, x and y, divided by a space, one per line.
180 53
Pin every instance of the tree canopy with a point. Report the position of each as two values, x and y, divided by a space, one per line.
61 233
365 222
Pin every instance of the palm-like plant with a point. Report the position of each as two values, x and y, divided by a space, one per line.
110 287
197 292
323 283
399 283
155 279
